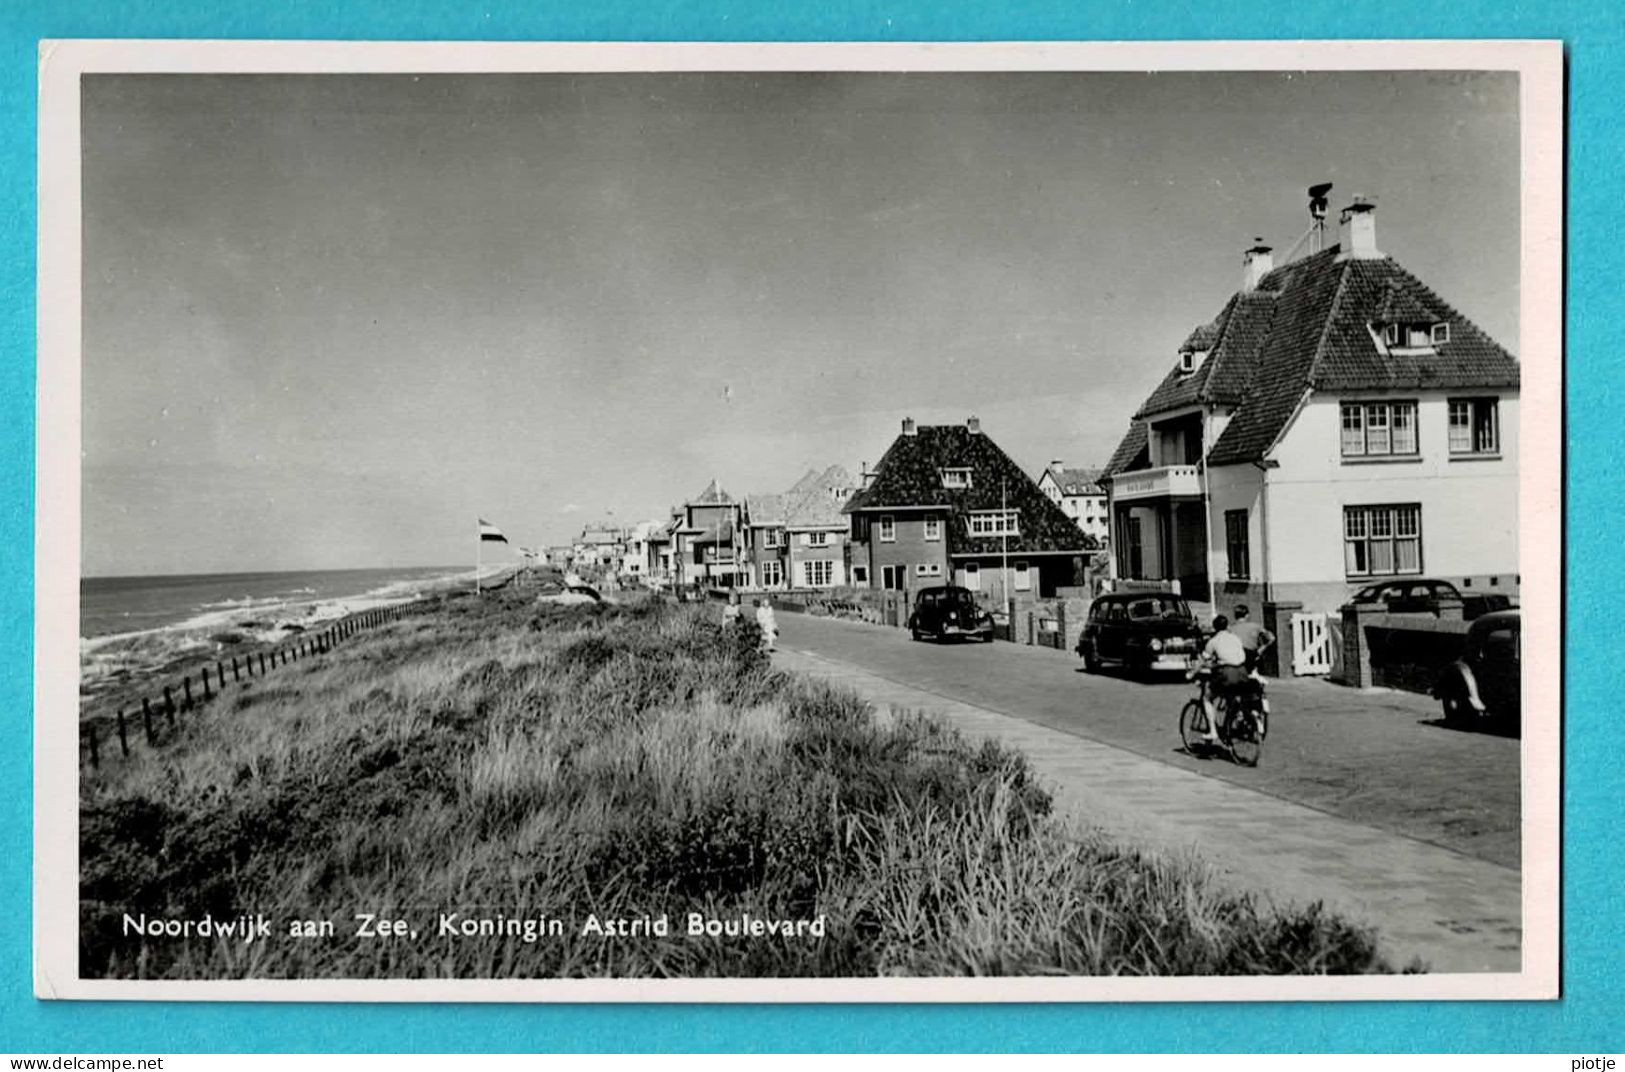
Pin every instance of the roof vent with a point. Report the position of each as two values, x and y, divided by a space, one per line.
975 425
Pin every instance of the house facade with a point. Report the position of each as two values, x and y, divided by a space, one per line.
706 542
1080 494
1337 424
946 505
798 539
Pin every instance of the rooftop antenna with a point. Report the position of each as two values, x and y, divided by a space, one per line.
1316 234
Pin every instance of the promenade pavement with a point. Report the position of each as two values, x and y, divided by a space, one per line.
1108 749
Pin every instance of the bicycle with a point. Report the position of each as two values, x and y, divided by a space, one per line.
1241 729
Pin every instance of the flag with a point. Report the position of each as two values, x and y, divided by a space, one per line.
490 533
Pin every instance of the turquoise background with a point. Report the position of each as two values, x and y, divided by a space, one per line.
1589 1017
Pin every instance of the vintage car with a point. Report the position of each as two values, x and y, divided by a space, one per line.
1422 595
1141 631
946 611
1486 682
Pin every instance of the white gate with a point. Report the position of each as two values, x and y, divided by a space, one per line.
1311 645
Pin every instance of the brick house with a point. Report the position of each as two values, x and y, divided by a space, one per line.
705 543
798 539
1338 423
946 505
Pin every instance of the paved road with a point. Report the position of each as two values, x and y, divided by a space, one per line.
1373 757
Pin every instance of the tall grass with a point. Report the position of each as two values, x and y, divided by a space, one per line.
495 757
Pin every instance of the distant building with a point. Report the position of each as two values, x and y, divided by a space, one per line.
1337 424
945 504
599 546
1080 494
706 542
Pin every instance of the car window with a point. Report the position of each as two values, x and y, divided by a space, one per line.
1114 613
1141 609
1501 643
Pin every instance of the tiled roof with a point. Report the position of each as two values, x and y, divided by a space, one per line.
1201 338
1078 481
764 509
1131 452
1399 305
817 498
910 474
1234 338
1321 339
713 495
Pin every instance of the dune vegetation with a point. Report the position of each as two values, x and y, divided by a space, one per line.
594 771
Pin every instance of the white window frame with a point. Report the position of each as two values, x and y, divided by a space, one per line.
956 477
928 569
816 539
860 575
933 529
1390 334
1375 535
888 528
772 574
1464 434
994 522
1360 422
1440 333
771 537
818 572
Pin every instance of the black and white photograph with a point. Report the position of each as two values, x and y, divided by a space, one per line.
770 523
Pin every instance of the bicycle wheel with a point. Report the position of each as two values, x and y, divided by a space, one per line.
1191 719
1246 743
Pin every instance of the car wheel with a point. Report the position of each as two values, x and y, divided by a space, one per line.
1090 662
914 634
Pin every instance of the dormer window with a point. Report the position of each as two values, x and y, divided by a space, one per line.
1414 336
1440 333
956 478
1390 335
1190 361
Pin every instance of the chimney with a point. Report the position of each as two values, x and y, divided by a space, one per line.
1256 263
1357 230
864 475
975 425
909 427
1056 464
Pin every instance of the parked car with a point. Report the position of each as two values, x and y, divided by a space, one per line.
1486 682
1422 595
1142 631
947 611
571 595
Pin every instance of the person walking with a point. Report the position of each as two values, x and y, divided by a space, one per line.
768 624
731 613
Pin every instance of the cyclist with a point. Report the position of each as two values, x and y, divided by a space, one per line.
1256 640
1227 656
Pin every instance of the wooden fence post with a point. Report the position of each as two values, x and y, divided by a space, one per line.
146 719
169 707
220 672
123 741
186 685
262 664
207 693
95 755
236 674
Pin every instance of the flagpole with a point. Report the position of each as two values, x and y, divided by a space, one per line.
479 547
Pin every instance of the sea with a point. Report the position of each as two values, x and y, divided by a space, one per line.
118 605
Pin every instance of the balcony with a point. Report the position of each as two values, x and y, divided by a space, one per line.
1168 481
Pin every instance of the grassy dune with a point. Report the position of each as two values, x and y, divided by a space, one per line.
496 758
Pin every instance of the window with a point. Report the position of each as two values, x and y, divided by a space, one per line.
1024 578
973 576
1237 552
860 575
815 539
1440 333
956 478
888 529
819 573
1378 429
995 523
772 537
772 574
1187 361
928 569
1475 426
1379 540
891 577
1390 335
933 528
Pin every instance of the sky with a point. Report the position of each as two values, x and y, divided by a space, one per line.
330 320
